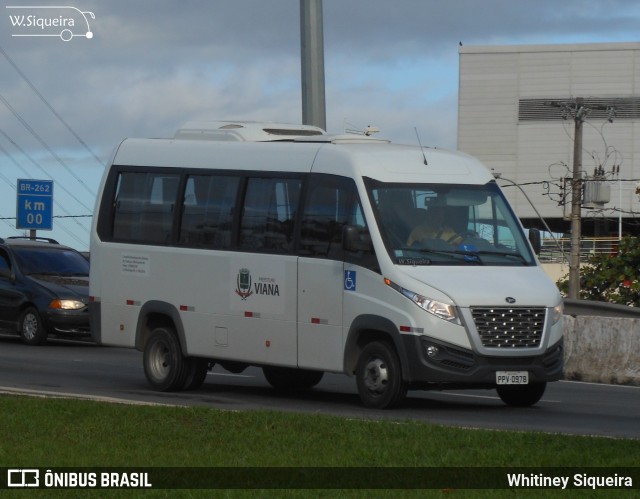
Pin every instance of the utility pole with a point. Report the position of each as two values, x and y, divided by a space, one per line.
576 201
312 63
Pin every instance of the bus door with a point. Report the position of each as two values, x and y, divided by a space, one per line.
330 204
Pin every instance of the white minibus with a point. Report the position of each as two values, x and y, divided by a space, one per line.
281 246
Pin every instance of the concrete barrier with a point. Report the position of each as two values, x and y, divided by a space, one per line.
602 349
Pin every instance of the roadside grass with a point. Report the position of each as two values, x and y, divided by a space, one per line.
53 433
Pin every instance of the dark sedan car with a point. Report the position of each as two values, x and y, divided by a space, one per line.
44 289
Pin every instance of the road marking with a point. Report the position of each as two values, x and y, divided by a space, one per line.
64 395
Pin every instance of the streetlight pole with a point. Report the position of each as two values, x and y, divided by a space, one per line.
312 63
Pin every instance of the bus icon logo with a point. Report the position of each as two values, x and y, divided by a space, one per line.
65 22
23 478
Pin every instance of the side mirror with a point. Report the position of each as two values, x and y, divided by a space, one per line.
535 240
356 239
5 273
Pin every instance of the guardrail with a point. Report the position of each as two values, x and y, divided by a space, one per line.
599 309
558 250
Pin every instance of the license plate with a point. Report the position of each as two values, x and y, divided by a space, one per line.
512 378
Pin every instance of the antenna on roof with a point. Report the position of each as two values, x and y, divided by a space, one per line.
370 130
424 157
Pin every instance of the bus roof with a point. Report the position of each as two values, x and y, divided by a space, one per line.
349 155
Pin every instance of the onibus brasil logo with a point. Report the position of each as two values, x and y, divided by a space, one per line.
64 22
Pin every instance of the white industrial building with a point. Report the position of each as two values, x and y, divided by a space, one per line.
516 113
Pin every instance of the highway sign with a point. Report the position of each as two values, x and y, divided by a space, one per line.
34 204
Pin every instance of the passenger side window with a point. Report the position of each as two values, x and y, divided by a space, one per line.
144 206
269 213
207 216
331 203
4 262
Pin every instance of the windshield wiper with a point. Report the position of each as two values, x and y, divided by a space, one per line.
505 253
469 256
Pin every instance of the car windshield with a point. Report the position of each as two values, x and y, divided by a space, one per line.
445 224
51 261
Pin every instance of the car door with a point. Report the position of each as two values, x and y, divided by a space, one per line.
10 295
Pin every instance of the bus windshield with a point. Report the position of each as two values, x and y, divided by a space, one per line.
446 224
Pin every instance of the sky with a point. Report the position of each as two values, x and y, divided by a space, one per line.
149 66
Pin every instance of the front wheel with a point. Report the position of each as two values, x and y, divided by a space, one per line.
379 376
521 395
31 328
165 367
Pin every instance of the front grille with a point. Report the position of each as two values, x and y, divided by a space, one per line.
515 327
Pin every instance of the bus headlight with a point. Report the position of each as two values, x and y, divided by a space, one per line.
439 309
558 310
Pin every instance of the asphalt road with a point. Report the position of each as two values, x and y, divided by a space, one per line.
86 370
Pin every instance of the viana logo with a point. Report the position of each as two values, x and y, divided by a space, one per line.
244 284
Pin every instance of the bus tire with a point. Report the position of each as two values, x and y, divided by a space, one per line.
379 376
164 365
197 368
288 378
521 395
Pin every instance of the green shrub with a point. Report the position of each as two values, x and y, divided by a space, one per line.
611 278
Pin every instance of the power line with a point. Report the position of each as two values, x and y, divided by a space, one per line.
56 203
44 144
28 156
50 107
55 216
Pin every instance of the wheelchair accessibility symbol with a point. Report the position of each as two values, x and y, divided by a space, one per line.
350 280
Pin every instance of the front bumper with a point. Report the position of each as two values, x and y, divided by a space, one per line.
450 366
67 322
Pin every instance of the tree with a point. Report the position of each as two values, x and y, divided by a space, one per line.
611 278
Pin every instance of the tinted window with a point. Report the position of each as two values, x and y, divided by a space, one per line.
331 203
144 207
51 261
4 261
268 215
207 216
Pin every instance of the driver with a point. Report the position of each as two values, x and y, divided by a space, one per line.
435 227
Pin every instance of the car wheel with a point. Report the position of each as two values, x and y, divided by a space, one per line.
288 378
31 328
165 367
379 376
523 395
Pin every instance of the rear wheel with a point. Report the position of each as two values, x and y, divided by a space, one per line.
288 378
31 328
379 376
165 367
521 395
